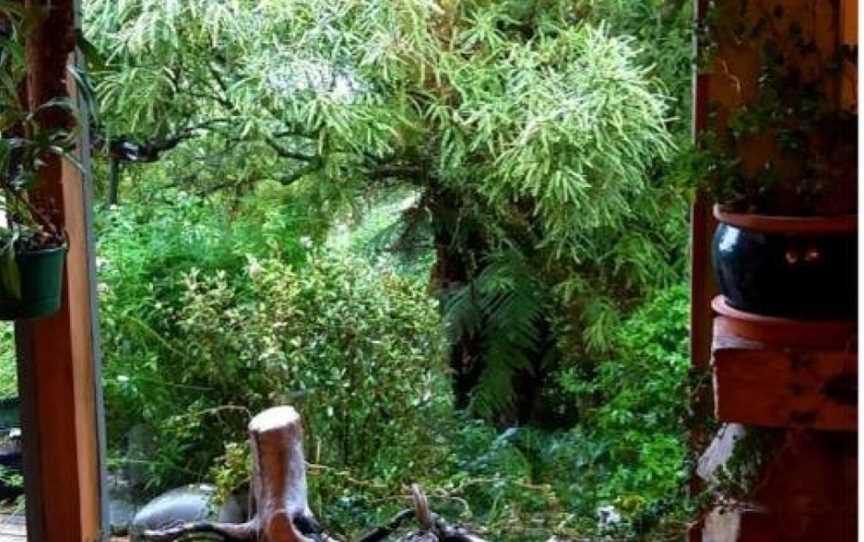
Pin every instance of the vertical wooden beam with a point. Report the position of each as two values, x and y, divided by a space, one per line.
57 355
702 287
849 36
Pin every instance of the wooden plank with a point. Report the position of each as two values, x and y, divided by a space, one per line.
702 284
56 354
702 224
785 388
806 490
849 36
96 477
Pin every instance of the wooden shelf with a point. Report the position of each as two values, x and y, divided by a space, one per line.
773 372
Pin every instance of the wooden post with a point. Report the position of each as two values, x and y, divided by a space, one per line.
59 383
849 36
702 287
279 484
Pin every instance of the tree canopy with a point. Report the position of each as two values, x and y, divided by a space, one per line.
531 131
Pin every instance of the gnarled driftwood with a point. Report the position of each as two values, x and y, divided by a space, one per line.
281 504
279 484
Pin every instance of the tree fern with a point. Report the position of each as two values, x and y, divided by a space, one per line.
504 306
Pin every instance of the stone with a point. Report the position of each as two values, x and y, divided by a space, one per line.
194 502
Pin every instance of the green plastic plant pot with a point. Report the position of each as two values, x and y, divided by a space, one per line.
41 274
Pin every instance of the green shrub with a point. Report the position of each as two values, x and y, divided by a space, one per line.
199 339
145 249
638 418
628 448
355 349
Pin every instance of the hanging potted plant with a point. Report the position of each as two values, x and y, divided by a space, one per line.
782 167
31 273
32 247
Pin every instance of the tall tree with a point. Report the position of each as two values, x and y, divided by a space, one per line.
530 133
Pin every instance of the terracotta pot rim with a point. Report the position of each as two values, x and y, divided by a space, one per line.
721 307
787 224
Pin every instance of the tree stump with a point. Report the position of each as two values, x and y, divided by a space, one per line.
281 508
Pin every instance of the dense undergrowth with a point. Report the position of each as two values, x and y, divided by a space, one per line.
208 318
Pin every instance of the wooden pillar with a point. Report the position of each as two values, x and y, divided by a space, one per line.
702 284
702 287
58 366
849 36
795 377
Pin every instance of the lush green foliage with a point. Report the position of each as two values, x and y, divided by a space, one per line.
189 314
628 452
326 173
534 128
8 364
643 399
190 346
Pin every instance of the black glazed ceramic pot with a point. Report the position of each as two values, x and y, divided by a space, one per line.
789 267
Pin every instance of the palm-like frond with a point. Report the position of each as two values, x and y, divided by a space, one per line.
504 307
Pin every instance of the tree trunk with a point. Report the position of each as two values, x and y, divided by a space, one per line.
281 503
461 249
452 271
279 485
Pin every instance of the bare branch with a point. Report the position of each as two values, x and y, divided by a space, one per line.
287 153
231 533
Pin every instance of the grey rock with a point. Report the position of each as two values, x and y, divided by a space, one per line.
194 502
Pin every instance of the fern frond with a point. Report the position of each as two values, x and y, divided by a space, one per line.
505 305
495 392
463 316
